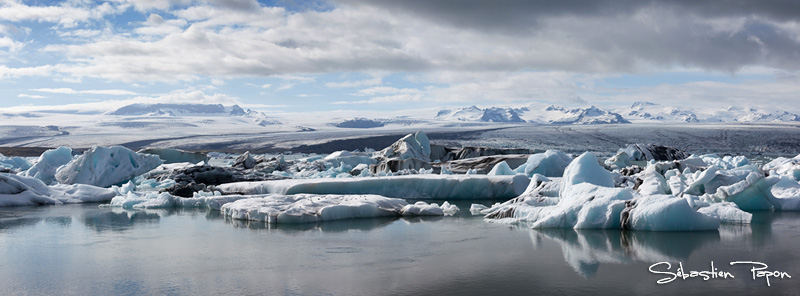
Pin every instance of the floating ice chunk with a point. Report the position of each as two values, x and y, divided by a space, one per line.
15 163
154 200
106 166
586 169
49 162
347 158
784 167
24 191
304 208
409 186
477 209
585 206
726 162
502 168
551 163
449 209
727 212
619 161
422 208
653 182
411 146
699 179
753 193
787 191
664 213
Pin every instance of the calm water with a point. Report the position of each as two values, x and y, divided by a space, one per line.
87 250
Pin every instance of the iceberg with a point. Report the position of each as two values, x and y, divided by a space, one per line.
551 163
411 146
586 169
164 200
106 166
727 212
48 163
501 169
14 163
307 208
783 166
665 213
24 191
409 186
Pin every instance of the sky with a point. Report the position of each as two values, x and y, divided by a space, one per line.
294 56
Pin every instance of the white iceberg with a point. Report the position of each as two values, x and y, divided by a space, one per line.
727 212
783 166
501 169
551 163
106 166
14 163
306 208
586 169
155 200
24 191
48 163
411 146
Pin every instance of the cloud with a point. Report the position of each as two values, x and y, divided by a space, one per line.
351 84
6 72
113 92
30 96
174 97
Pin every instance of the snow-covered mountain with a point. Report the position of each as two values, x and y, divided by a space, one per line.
591 115
178 109
752 114
647 111
473 113
657 112
548 115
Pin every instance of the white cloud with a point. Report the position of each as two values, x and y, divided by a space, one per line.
359 83
6 72
30 96
175 97
113 92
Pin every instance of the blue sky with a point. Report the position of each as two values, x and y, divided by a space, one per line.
290 56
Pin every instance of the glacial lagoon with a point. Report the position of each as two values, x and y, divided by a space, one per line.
85 249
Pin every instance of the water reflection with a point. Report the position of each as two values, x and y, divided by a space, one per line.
585 250
115 219
327 226
10 220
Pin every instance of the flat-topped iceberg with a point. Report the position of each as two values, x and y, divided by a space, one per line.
305 208
24 191
409 186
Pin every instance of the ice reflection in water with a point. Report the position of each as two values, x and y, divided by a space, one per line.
585 250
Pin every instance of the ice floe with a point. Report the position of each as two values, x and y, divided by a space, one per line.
305 208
